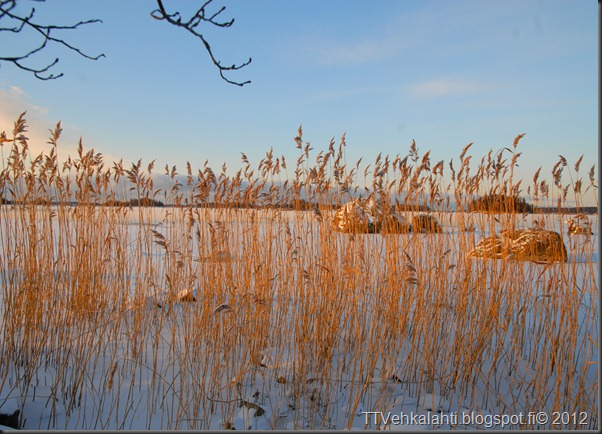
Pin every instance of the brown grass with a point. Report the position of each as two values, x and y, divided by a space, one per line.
288 314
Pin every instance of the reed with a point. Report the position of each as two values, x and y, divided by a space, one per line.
293 325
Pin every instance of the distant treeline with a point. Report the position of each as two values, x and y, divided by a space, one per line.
500 203
303 205
300 204
565 210
145 201
487 203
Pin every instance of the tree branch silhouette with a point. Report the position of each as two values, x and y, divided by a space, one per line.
191 25
20 22
15 21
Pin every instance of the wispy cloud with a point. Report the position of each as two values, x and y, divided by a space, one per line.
341 53
338 94
447 87
17 91
405 30
348 45
16 101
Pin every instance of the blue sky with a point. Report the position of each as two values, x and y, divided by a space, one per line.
444 73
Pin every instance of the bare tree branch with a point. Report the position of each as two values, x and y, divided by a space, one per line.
191 25
19 22
15 22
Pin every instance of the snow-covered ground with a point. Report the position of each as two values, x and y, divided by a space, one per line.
313 330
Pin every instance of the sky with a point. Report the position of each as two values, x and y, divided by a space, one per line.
444 73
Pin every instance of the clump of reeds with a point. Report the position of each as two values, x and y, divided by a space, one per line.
281 315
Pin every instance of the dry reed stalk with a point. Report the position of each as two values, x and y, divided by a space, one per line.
315 313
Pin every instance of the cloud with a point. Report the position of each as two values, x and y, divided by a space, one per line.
338 94
352 47
17 91
338 53
446 87
16 101
398 31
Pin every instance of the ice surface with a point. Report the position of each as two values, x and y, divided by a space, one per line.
153 378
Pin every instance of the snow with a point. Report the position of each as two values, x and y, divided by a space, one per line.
150 381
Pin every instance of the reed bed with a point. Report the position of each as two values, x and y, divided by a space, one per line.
293 325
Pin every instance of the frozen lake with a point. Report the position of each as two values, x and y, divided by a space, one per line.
293 326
